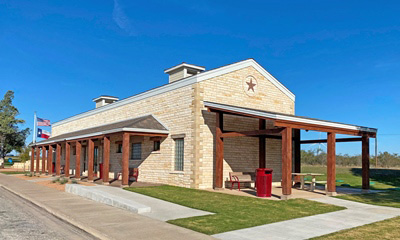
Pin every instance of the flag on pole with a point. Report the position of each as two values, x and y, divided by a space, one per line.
43 133
43 122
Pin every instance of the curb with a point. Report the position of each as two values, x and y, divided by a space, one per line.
61 216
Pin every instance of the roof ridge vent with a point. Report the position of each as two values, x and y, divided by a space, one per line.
104 100
183 70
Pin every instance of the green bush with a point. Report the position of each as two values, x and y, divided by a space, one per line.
63 181
74 182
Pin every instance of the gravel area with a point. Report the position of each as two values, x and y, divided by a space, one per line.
20 219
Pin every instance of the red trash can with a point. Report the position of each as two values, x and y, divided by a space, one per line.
264 182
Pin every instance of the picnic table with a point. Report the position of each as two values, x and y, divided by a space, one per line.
303 175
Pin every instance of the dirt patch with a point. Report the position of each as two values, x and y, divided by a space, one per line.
60 187
22 176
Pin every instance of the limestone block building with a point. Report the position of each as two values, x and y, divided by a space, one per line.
193 131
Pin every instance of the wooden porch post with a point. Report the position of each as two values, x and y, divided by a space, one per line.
78 146
331 165
90 160
286 163
261 145
32 159
44 154
125 159
106 159
297 150
37 159
50 160
58 159
219 150
67 158
365 162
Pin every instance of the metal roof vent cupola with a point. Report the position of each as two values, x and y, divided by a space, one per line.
183 70
104 100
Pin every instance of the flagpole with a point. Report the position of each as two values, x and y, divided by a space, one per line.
34 128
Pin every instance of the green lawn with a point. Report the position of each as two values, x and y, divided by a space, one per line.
388 229
380 178
387 198
232 212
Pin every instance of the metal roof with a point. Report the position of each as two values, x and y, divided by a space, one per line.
287 117
147 124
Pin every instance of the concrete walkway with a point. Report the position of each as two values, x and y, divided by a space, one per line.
138 203
356 214
100 220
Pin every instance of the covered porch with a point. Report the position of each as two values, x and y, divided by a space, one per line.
287 128
90 149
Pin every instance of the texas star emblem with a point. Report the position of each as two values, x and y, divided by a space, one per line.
250 86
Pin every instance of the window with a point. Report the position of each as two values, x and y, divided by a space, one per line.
157 145
136 153
179 143
119 148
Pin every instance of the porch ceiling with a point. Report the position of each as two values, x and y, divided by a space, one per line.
282 120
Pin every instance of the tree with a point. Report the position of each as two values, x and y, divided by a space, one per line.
11 137
24 154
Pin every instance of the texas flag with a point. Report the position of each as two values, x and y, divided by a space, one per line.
43 133
43 122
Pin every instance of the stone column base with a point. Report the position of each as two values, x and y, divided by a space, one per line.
331 194
106 183
124 186
218 189
286 197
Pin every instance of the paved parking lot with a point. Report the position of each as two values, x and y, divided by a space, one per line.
20 219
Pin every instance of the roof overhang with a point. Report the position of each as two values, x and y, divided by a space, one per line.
285 120
133 131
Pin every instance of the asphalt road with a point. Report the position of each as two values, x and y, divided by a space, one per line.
20 219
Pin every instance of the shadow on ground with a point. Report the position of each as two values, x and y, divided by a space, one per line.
386 176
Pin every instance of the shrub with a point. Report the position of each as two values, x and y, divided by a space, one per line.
74 182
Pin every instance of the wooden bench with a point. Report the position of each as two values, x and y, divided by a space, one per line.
240 177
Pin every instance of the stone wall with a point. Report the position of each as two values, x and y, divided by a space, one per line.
240 154
174 109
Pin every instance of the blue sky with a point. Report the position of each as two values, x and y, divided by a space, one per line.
340 58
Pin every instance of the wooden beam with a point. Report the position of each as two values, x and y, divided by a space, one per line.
254 133
125 159
78 146
50 160
44 153
355 139
90 160
219 150
365 162
286 163
67 158
37 159
106 159
261 144
297 150
32 159
320 128
331 164
58 159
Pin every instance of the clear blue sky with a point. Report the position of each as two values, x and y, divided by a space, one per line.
340 58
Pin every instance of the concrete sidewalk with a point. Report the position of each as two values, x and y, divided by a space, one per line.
102 221
135 202
356 214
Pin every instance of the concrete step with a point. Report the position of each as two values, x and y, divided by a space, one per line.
107 198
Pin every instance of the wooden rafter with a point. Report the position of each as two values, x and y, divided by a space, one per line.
326 140
254 133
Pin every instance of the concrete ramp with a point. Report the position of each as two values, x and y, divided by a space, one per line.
135 202
100 196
